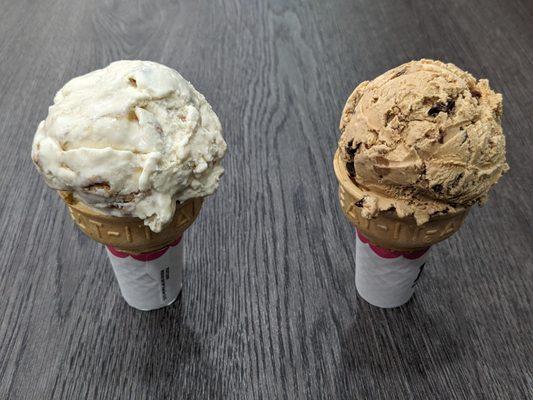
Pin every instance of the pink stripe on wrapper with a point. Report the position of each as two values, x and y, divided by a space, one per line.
144 256
385 253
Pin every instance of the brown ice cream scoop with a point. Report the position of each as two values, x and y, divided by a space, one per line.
423 139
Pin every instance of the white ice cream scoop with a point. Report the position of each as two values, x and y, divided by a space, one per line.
131 139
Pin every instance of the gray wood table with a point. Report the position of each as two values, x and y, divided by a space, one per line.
269 308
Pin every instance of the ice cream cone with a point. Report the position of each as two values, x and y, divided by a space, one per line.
150 166
148 265
129 234
386 229
420 145
391 251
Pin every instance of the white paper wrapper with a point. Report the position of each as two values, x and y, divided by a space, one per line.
149 280
386 278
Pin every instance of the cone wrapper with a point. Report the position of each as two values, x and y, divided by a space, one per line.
149 281
386 278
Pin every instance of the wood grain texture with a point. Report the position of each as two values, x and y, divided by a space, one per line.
269 308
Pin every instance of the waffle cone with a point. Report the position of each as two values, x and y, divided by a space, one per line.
129 234
386 229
